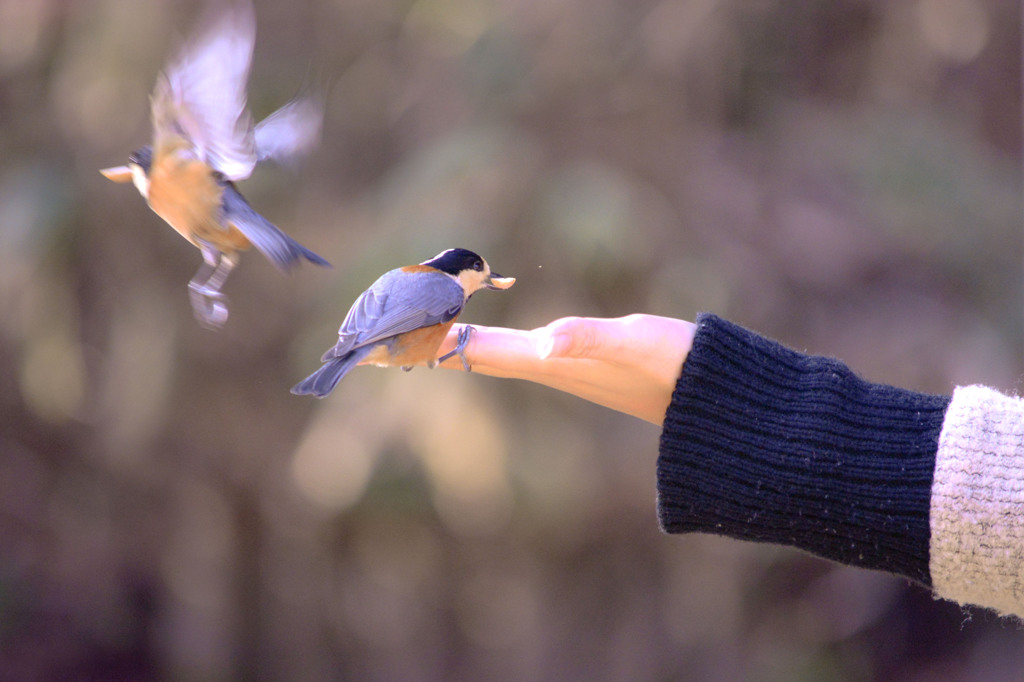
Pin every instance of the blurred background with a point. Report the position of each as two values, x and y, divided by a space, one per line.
843 176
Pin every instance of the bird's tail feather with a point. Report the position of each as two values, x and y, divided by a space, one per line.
321 382
312 257
278 247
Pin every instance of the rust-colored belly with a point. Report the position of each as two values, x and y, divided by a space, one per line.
418 347
185 194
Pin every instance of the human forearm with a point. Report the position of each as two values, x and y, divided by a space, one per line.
766 444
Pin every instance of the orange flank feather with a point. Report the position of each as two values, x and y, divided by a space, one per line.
184 192
418 347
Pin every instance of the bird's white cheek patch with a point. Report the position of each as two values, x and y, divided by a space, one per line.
140 180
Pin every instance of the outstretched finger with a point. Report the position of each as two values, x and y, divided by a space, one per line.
493 350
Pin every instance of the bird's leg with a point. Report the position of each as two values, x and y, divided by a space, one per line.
460 348
208 303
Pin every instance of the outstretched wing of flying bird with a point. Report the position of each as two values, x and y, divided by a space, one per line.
201 96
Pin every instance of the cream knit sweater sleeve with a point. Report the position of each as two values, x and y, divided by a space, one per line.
977 502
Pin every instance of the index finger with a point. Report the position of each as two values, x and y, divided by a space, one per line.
496 351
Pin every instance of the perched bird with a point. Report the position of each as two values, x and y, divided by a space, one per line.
404 316
203 141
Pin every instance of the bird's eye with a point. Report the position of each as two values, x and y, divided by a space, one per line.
478 266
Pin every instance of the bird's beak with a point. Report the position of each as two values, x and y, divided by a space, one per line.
496 281
118 173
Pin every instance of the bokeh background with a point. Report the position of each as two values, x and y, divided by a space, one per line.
844 176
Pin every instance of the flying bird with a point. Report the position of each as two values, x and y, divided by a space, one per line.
204 141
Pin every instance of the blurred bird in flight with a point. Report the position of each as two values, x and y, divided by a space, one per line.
204 141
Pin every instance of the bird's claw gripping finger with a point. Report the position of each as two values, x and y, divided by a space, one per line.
208 305
462 340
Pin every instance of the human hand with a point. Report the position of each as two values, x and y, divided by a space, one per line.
630 364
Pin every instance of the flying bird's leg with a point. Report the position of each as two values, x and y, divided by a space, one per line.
208 303
460 348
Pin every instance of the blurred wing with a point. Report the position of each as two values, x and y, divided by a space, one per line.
201 96
290 132
398 302
278 247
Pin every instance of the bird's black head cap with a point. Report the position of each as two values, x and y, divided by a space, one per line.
143 157
454 261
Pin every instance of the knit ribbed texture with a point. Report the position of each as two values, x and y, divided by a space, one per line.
977 553
763 443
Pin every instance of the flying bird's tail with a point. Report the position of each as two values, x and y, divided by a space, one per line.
278 247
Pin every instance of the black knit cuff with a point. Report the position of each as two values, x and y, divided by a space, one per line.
766 444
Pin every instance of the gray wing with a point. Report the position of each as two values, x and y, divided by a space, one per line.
398 302
201 96
290 132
